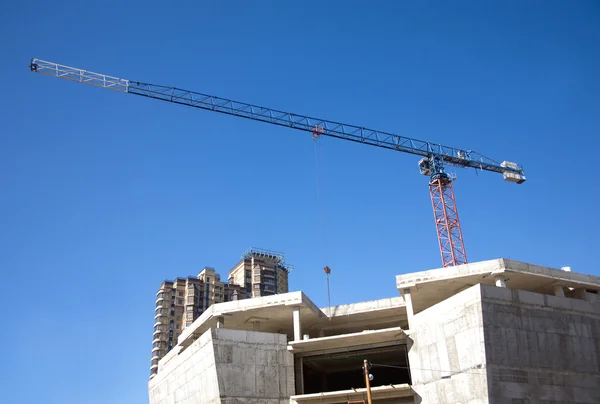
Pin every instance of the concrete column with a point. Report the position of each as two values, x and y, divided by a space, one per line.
220 322
500 281
559 291
409 306
297 325
580 293
299 375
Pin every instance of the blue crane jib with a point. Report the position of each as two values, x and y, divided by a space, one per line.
436 155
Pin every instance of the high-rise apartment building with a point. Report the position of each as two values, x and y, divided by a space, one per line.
261 273
180 302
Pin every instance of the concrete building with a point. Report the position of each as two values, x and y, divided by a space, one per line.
180 302
497 331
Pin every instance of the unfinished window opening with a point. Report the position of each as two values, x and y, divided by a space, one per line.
343 371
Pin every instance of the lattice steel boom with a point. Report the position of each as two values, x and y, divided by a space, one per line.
435 156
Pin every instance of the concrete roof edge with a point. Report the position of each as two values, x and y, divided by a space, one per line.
413 279
397 330
549 272
311 305
386 303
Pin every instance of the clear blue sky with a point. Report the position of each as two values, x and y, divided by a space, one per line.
104 195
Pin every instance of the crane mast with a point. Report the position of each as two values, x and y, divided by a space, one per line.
435 157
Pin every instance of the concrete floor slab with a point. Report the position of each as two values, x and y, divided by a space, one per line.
433 286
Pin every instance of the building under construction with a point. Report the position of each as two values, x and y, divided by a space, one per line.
497 331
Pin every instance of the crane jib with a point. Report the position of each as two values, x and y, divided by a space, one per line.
434 156
445 154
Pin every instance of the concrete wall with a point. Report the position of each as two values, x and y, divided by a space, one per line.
228 367
447 342
253 367
189 377
504 346
541 348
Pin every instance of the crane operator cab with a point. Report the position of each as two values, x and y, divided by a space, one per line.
425 166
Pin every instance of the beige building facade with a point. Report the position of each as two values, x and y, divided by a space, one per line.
261 272
178 303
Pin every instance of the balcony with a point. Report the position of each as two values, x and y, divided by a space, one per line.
156 339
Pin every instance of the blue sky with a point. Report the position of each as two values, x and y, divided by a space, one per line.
106 194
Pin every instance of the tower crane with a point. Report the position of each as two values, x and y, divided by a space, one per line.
434 157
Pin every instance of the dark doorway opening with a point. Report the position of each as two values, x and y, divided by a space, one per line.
343 371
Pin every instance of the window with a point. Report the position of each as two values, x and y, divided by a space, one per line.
189 308
160 295
190 292
207 279
189 316
177 327
180 293
188 323
178 318
190 299
179 301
